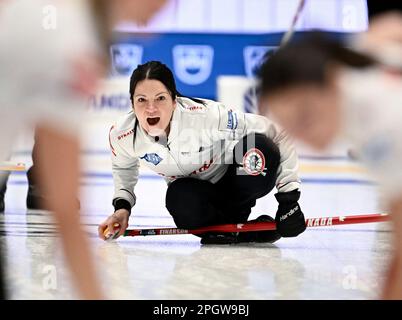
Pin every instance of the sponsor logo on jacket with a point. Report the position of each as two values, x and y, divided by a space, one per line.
125 134
194 108
232 120
153 158
254 162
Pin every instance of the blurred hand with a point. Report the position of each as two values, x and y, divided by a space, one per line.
137 11
386 27
383 39
117 222
85 74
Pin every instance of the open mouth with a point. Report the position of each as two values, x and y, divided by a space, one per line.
153 121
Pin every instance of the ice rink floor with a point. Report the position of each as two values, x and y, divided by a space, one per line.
344 262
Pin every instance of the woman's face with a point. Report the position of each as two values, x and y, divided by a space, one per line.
153 107
307 112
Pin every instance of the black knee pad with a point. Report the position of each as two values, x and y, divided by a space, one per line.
256 154
187 203
175 192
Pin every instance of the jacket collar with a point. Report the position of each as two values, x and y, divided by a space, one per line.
175 124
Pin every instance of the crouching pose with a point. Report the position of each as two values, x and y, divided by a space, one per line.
216 161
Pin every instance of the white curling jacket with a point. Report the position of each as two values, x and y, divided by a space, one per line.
200 145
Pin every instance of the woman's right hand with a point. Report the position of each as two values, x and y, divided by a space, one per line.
116 221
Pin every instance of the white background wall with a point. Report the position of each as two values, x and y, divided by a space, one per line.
255 16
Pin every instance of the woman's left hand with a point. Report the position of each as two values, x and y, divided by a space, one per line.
290 221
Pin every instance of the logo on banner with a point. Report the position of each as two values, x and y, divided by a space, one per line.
152 158
253 57
250 100
193 63
125 58
119 101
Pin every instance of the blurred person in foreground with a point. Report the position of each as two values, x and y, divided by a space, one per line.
51 58
319 90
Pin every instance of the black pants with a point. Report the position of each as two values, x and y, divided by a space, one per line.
195 203
32 173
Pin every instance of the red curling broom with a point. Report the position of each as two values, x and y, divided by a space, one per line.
253 226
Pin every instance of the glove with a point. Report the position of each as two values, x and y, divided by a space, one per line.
290 221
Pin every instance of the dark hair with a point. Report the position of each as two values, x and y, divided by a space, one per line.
156 70
306 61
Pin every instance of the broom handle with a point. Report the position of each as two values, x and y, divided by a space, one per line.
260 226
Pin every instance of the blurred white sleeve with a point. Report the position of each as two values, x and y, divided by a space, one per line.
125 170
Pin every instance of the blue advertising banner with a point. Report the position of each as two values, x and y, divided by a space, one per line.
195 59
